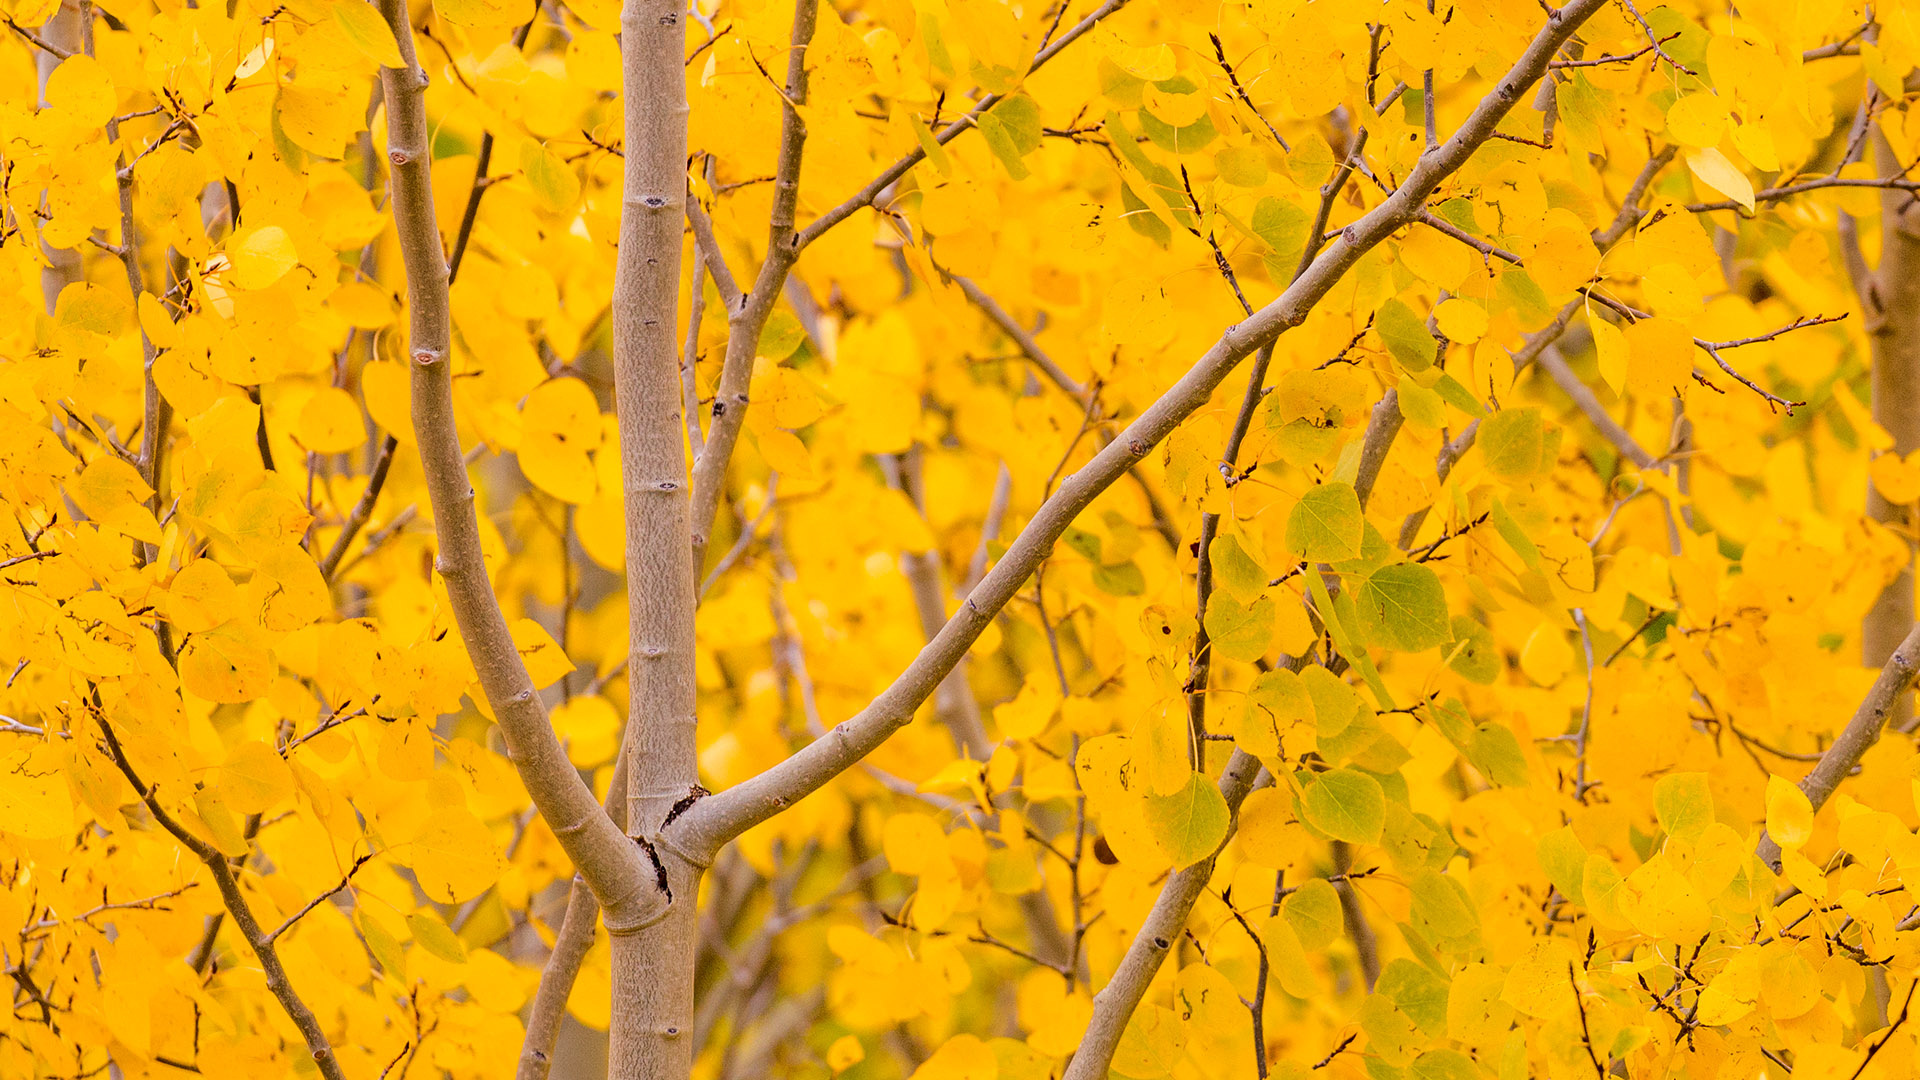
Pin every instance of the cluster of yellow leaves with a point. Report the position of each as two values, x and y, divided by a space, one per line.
1535 900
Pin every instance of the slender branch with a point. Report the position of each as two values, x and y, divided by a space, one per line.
1890 183
892 173
303 1018
1858 736
570 947
597 847
362 509
1450 454
1233 79
705 245
690 354
713 821
749 316
1655 41
1021 338
345 880
37 41
1485 249
1609 429
1114 1005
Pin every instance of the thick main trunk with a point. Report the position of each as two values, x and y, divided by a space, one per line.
1891 300
653 968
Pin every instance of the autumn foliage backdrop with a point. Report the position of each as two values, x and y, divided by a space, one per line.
958 539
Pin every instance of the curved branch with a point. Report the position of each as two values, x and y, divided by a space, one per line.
1859 735
714 821
609 861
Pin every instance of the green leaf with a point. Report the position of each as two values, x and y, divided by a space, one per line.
1513 441
1346 804
1442 1065
553 180
1142 220
1282 226
1405 336
1683 803
1564 859
1326 524
1124 579
1403 607
1407 840
1276 703
382 945
1495 751
1313 910
1240 632
1441 907
1012 131
1338 614
1419 993
1234 569
432 935
1335 703
1474 655
1420 406
1456 394
1191 823
781 336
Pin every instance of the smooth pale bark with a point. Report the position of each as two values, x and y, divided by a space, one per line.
1890 298
749 316
652 1025
713 821
598 848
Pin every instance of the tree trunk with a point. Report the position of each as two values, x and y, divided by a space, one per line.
652 1025
1891 301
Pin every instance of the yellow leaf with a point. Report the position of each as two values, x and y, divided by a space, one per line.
201 597
106 485
259 257
1032 710
83 91
1714 170
1659 357
589 727
546 662
845 1053
34 802
1789 814
559 427
1896 478
483 13
1698 119
1541 983
1461 320
330 421
226 666
368 32
1610 348
254 778
454 856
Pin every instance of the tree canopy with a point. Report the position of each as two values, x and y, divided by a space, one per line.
959 540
